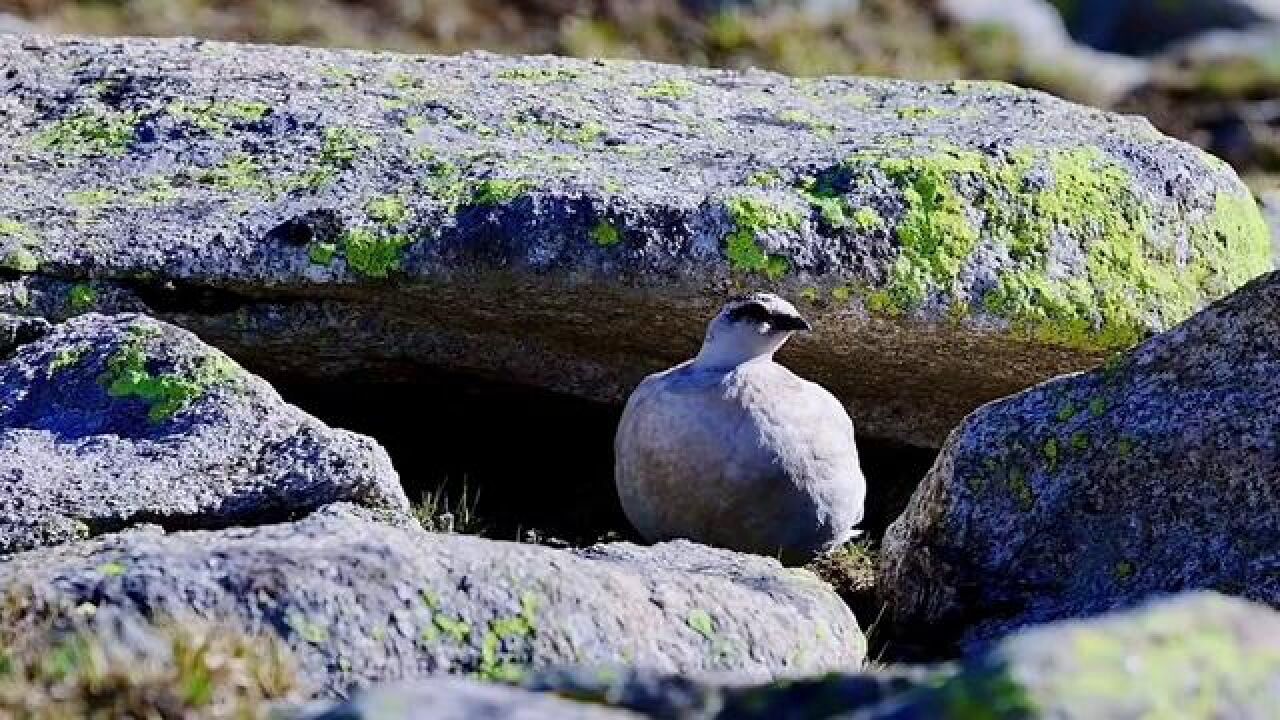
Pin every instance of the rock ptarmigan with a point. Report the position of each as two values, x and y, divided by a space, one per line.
734 450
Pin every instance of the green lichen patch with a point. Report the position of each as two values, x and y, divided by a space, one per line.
935 233
238 172
322 253
700 621
445 185
20 259
456 630
807 120
373 254
10 228
307 629
67 358
167 394
82 298
1028 202
387 209
605 234
157 190
539 75
918 113
90 134
672 89
497 191
1020 486
338 150
90 199
218 116
505 631
17 256
752 216
866 218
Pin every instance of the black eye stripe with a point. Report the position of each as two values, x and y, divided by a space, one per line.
751 312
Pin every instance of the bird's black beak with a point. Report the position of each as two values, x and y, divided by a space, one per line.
790 322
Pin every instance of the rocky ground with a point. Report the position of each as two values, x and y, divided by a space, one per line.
1054 326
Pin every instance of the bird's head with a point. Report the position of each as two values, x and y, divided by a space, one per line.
749 327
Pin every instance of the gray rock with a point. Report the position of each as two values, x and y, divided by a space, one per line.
571 224
361 602
458 699
107 422
1155 472
1196 656
1199 655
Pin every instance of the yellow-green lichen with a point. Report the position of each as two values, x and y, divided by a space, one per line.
455 629
504 630
307 629
918 113
66 359
112 569
1020 486
89 199
605 234
936 233
807 120
82 298
1130 279
764 178
1066 411
339 149
218 116
373 254
20 259
387 209
90 134
322 253
238 172
496 191
127 376
866 218
17 257
669 89
1051 453
700 621
1123 570
752 216
539 75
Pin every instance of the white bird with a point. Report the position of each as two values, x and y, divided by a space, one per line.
734 450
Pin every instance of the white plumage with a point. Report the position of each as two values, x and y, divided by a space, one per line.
734 450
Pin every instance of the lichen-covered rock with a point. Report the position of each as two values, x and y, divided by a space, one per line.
361 602
442 698
1155 472
1198 656
107 422
572 224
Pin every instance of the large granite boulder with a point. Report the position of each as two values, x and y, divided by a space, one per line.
108 422
1155 472
573 225
445 698
1198 656
361 602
